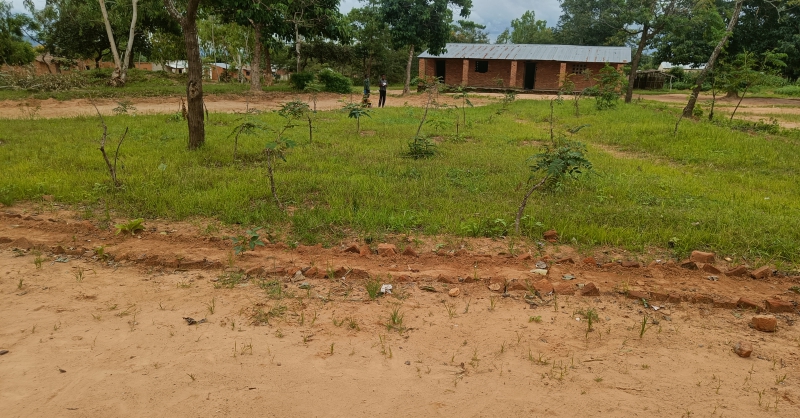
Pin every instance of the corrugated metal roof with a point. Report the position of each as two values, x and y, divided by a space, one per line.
536 52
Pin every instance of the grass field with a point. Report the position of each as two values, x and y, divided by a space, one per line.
709 187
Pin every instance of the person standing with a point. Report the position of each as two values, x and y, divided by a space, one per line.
382 89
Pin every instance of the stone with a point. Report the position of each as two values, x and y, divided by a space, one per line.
701 257
765 323
541 265
658 296
777 305
631 264
311 272
638 294
737 271
608 265
551 235
702 299
743 349
524 256
454 292
567 277
724 302
689 264
543 286
745 303
541 272
590 261
564 288
58 250
364 250
255 271
409 252
353 248
762 273
21 243
674 298
3 352
387 250
590 289
565 260
514 284
357 274
446 279
495 287
710 268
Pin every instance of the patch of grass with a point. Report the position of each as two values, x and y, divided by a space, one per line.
395 320
229 280
649 185
373 287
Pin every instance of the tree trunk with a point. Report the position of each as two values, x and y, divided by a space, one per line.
194 87
689 109
268 64
255 65
524 203
407 85
116 78
637 57
129 48
297 43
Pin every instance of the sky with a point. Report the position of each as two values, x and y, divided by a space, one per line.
495 14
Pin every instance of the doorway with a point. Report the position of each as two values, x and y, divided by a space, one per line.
530 75
440 66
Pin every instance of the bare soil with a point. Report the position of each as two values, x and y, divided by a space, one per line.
93 333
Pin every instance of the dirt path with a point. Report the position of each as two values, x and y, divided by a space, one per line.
105 336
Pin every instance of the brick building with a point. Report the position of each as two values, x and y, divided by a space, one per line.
527 66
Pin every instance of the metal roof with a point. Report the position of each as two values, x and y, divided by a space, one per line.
536 52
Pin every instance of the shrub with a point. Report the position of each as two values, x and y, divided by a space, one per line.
44 82
335 82
299 80
788 90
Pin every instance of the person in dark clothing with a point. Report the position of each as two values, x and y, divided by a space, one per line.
382 89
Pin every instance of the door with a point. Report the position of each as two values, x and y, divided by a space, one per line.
440 66
530 75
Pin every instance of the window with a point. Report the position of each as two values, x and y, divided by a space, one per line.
578 68
481 66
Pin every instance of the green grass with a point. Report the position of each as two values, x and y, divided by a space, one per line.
707 188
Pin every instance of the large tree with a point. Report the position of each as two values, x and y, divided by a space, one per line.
194 86
468 32
312 19
371 35
689 39
14 50
591 22
766 25
527 30
120 73
418 23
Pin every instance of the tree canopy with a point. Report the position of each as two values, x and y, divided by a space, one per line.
14 49
527 30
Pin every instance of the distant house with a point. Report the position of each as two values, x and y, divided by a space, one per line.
525 66
176 67
666 66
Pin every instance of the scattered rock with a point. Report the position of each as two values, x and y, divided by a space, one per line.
408 363
631 264
638 294
689 264
710 268
745 303
608 265
564 288
565 260
410 252
728 259
525 256
713 278
765 323
446 279
725 303
568 277
495 287
2 352
353 248
192 321
590 289
551 235
743 349
454 292
254 271
701 257
460 253
387 250
21 243
541 272
762 272
427 288
543 287
777 305
541 265
737 271
364 250
658 296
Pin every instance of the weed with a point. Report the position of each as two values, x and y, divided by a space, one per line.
100 253
38 260
591 316
466 306
537 319
229 280
780 379
260 316
337 323
352 323
79 275
212 306
331 350
185 285
492 302
191 376
598 379
20 284
373 288
131 227
643 327
396 320
474 361
279 333
451 309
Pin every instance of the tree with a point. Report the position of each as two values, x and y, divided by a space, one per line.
371 34
591 22
765 25
690 38
14 50
415 23
194 86
527 30
120 68
688 111
468 32
314 18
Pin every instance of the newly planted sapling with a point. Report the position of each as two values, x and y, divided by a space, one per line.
461 93
248 126
248 241
356 111
421 146
131 227
558 160
290 111
314 88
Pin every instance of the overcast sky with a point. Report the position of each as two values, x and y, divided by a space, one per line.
495 14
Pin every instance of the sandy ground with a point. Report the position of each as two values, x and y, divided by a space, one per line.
89 336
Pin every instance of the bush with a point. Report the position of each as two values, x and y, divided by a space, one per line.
335 82
299 80
789 91
45 82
